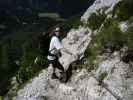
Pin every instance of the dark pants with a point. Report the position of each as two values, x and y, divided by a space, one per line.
65 74
56 64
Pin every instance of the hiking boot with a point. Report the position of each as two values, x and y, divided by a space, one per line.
54 76
63 78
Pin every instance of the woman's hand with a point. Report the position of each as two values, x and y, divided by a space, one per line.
75 56
67 51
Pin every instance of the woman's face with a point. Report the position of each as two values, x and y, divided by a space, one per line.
57 33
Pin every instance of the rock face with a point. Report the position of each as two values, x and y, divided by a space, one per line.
76 42
99 4
116 85
119 77
123 26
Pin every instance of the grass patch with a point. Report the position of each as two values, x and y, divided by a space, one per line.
102 77
112 33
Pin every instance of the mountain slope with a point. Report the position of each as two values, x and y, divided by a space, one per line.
105 74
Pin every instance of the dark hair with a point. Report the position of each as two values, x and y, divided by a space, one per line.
52 30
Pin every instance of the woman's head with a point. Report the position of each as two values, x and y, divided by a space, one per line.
56 31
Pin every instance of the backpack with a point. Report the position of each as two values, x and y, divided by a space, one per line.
44 41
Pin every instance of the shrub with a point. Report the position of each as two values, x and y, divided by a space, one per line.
91 53
27 66
123 10
109 33
96 20
131 19
129 37
7 66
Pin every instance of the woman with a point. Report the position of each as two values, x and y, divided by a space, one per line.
55 51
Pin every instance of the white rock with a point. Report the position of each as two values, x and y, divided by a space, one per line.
98 4
123 26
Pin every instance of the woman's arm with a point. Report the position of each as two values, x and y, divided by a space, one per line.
58 45
68 52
